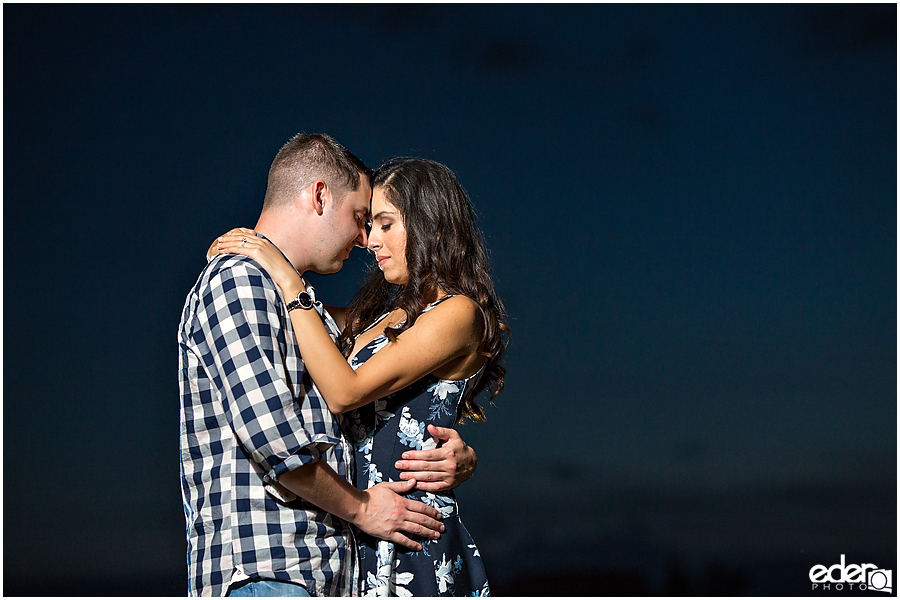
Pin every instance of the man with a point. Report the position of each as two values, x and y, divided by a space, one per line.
264 464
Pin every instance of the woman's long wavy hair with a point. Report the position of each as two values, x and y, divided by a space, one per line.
444 249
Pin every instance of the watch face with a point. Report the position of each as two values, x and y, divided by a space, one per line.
303 300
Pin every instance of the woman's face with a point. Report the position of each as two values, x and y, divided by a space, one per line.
387 240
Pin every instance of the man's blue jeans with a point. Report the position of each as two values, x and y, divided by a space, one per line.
267 588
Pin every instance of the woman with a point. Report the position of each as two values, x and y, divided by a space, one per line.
423 337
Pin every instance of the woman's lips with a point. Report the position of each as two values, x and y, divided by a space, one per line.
381 260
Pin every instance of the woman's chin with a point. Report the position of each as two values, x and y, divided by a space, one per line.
393 280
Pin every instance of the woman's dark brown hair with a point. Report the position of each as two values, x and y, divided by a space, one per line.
444 249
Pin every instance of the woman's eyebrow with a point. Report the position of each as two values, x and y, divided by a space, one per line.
384 212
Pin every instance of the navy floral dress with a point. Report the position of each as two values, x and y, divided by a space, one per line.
381 432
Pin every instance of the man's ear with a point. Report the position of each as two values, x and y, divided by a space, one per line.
321 195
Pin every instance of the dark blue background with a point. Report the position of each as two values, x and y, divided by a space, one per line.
692 216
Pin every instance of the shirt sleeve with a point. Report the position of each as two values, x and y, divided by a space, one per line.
240 321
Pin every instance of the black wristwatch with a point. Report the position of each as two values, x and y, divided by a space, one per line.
303 300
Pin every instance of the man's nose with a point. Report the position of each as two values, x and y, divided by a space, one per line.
362 240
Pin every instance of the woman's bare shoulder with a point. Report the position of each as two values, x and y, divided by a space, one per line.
459 312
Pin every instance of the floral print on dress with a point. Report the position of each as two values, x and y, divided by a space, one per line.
382 431
374 346
443 504
443 399
445 571
386 581
483 592
381 412
375 476
411 431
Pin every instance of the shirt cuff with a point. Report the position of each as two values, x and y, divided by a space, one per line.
310 453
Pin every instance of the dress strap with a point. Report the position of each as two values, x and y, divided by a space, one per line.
381 318
438 301
474 377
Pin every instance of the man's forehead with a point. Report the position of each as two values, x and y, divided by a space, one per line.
368 194
361 197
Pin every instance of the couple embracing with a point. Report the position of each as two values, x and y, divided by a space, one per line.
318 453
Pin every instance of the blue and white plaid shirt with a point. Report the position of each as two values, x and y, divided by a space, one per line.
249 413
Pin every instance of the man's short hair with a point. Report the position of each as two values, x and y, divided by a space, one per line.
306 158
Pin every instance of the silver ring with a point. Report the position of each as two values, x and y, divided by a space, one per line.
243 241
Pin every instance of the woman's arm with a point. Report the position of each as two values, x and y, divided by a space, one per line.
282 276
438 337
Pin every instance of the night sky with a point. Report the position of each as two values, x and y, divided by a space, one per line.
692 216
